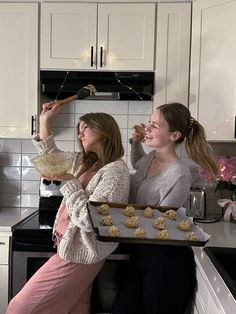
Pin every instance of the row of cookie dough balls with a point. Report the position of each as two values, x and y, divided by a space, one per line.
133 222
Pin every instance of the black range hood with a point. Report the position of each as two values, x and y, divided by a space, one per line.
109 85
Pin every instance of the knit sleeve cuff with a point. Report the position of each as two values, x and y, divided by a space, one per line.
45 146
70 187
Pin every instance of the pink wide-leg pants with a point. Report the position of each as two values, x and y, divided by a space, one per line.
58 287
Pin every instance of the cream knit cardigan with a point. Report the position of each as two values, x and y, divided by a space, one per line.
109 184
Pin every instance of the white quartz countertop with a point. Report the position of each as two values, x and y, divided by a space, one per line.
9 217
223 234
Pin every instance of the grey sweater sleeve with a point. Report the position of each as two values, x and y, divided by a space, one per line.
137 152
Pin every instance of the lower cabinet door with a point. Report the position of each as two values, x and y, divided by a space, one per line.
4 270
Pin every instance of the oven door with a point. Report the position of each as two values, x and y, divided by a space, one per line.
105 283
25 264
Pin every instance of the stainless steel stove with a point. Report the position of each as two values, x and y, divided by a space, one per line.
32 243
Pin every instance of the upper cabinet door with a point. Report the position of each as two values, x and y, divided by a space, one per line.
126 36
172 53
18 68
213 68
68 35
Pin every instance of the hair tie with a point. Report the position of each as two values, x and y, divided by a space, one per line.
191 121
190 126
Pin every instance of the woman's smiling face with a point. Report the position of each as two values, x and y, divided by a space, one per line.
157 131
89 138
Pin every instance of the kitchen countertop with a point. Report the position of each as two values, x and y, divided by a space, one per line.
11 216
223 234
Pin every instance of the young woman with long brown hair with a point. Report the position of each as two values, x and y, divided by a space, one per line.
161 278
63 284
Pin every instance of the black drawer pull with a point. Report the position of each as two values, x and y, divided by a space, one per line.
235 127
91 63
101 56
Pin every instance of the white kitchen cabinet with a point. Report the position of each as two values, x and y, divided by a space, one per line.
172 53
206 301
213 67
104 36
4 272
18 68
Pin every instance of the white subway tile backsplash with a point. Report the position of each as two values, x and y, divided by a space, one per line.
110 107
26 160
63 134
137 119
64 120
10 187
10 200
68 108
66 145
77 117
122 120
29 200
30 187
28 146
30 174
125 145
10 146
10 173
124 135
140 107
7 159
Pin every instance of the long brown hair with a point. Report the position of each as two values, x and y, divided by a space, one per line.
179 119
111 144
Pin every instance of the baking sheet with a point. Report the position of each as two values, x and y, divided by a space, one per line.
176 236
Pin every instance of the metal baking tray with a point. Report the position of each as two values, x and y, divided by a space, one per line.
177 237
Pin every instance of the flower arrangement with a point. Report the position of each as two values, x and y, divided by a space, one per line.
227 176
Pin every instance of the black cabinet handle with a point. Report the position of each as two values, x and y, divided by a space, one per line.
33 125
235 127
91 57
101 56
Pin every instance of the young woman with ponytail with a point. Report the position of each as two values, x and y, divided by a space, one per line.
161 278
